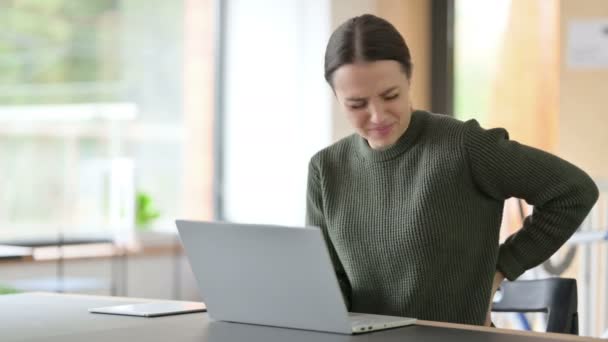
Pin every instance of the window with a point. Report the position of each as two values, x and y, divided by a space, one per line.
94 111
277 107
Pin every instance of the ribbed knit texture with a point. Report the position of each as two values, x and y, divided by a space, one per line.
413 230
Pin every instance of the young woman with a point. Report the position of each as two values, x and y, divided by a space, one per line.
411 204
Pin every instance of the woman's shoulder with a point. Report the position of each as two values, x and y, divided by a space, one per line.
444 122
443 128
450 123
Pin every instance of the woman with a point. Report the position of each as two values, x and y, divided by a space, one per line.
411 205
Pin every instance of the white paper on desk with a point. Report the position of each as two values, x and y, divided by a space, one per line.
587 45
152 309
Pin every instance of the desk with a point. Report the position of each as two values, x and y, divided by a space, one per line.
59 317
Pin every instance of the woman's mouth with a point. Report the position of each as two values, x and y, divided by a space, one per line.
382 131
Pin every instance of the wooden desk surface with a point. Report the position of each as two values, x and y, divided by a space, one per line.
60 317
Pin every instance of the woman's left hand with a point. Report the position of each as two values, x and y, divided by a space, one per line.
498 279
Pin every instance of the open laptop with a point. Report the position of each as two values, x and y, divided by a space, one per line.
271 275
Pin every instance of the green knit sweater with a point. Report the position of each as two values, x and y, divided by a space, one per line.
413 230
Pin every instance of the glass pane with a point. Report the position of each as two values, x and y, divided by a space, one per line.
91 111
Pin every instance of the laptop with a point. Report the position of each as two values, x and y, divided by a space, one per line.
272 275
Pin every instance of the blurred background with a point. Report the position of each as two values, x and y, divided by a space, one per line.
119 116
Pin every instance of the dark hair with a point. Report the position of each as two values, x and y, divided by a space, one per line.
366 38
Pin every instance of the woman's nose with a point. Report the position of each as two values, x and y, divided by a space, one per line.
376 113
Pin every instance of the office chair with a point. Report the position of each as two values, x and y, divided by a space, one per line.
555 296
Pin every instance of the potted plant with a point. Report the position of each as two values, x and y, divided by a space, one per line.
7 290
145 215
145 212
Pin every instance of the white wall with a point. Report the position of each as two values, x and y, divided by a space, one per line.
277 106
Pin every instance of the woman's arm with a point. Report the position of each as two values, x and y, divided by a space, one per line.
561 193
315 217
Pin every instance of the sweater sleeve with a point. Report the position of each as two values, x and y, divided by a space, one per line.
561 193
316 218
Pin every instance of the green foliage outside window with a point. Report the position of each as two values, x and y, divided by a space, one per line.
72 44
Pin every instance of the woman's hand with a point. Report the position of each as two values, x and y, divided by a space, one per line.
498 278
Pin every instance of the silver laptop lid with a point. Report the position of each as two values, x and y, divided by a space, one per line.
266 275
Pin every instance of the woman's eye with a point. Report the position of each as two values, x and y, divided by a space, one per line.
357 106
391 97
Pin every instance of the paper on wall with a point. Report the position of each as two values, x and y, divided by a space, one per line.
587 44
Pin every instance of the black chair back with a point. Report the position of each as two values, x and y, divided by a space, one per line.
555 296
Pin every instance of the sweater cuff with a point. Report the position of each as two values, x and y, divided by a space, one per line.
507 264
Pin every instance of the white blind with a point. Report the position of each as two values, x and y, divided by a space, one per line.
277 106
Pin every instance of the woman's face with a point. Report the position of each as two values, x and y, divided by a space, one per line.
376 99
